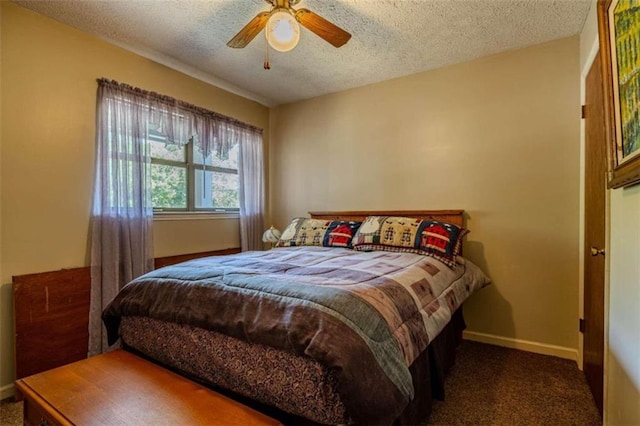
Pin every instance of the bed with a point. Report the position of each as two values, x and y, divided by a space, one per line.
330 334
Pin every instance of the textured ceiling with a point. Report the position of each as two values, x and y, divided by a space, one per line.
391 38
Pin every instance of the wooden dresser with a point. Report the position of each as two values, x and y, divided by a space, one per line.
119 388
51 314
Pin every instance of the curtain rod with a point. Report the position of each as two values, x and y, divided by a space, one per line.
176 102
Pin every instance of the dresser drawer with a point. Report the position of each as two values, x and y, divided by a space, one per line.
37 411
35 415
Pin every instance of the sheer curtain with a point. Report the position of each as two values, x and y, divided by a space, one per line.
252 193
122 212
122 215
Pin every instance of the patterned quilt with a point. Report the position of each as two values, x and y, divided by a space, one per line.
367 315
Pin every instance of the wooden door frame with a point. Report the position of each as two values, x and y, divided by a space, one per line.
594 51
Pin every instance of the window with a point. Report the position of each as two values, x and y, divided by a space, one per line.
182 179
138 173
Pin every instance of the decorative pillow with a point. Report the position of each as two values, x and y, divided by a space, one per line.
303 231
340 233
388 233
440 240
317 232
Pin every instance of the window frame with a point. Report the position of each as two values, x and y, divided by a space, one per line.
190 166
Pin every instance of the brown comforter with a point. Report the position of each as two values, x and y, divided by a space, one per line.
366 315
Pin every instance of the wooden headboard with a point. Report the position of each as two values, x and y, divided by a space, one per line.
450 216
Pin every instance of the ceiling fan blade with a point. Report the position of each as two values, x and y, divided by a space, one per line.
249 31
322 28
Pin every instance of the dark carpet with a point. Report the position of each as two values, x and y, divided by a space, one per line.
490 385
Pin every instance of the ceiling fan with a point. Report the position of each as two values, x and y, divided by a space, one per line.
282 29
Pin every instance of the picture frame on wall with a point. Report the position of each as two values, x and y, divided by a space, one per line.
619 33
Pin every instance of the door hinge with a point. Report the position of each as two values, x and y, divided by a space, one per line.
583 111
581 325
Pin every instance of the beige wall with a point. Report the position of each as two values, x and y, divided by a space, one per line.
194 235
49 86
498 137
622 352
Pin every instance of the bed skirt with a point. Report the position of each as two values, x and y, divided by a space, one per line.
292 383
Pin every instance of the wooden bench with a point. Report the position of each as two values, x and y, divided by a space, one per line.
119 388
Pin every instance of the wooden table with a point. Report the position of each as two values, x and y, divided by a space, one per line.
119 388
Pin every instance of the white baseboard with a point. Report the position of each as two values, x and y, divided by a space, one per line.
524 345
7 391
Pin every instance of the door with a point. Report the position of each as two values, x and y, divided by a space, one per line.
594 233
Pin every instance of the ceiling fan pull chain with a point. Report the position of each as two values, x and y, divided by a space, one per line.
267 64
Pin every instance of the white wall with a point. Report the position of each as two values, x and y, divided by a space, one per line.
623 351
5 301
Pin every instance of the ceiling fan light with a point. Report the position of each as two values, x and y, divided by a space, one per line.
283 31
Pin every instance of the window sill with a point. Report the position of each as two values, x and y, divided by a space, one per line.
162 216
